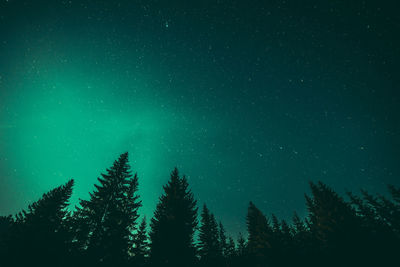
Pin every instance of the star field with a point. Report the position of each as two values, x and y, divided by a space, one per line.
249 100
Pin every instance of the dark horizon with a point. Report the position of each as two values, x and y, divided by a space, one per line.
362 230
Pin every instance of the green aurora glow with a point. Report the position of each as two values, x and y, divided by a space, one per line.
251 103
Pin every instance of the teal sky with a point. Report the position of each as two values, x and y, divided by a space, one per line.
249 101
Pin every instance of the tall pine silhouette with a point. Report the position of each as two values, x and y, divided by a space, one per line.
334 225
222 239
260 235
209 245
173 225
105 223
140 247
39 235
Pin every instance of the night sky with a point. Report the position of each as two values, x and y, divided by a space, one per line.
249 99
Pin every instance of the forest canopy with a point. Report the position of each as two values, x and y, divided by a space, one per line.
352 230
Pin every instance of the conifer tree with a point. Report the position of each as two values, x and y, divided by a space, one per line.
209 246
300 239
40 233
298 224
334 225
242 257
242 245
222 240
278 241
173 225
260 235
140 245
378 216
6 224
395 193
330 216
276 226
106 222
230 252
286 243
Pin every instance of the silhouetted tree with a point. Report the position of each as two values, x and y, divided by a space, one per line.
260 236
140 247
378 217
209 246
301 239
333 225
6 224
242 245
242 256
362 231
281 243
39 236
106 222
222 239
230 251
173 225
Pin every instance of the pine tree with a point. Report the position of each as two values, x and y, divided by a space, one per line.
276 226
301 240
173 225
40 233
276 239
242 245
209 246
334 225
301 234
395 193
230 251
286 243
6 224
105 223
260 235
222 240
140 245
242 257
380 235
298 224
280 241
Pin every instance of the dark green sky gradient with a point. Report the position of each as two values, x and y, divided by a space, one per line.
250 100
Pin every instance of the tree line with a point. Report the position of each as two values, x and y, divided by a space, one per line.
359 230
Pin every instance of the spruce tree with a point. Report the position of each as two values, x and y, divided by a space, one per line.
242 245
334 225
298 224
276 226
286 245
260 235
242 254
301 239
105 223
173 225
380 219
230 251
6 224
209 246
395 193
140 245
40 233
222 239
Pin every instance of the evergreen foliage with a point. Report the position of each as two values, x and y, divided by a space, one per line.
361 231
140 245
260 237
209 235
173 225
105 223
222 240
39 233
